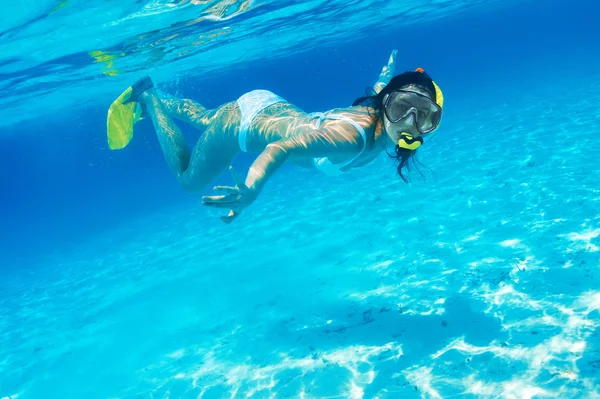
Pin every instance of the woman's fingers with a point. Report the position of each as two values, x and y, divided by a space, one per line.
393 57
221 199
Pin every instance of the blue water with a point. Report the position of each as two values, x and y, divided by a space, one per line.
479 280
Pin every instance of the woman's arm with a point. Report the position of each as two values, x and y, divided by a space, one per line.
315 144
387 73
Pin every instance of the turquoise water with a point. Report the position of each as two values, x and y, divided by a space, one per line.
71 43
478 281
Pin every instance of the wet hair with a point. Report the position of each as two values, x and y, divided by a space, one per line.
375 101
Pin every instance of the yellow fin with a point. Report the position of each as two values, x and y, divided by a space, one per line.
120 120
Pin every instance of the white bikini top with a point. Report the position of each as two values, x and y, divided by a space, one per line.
324 164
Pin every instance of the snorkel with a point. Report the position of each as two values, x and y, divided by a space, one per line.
407 141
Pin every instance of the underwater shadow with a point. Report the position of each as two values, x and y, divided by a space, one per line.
375 325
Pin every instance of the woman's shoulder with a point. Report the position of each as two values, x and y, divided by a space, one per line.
365 117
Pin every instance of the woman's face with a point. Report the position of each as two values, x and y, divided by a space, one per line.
407 124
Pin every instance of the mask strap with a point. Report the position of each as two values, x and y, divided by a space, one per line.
439 97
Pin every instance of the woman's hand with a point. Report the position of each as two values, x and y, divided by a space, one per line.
387 73
236 198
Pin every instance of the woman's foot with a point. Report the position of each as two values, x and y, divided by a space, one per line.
138 88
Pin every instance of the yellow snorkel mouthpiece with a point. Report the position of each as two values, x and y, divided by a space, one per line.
409 142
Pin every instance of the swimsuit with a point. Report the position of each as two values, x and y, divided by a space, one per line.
324 164
250 105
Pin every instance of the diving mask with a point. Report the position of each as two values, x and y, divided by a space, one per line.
401 103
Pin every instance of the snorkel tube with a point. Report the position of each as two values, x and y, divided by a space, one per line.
407 141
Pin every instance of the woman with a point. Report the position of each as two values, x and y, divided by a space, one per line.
404 107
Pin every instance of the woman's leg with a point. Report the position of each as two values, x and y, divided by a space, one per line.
213 153
190 112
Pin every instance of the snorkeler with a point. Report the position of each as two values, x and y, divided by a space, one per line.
398 113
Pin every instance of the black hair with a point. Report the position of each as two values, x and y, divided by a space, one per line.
421 79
